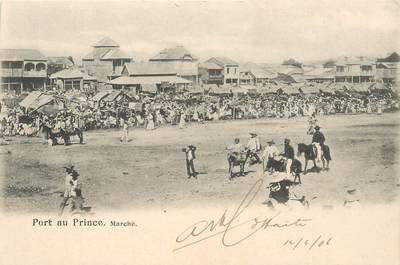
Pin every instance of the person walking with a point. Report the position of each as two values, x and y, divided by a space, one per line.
288 154
125 131
190 157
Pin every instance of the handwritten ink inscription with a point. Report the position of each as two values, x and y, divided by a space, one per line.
237 228
307 243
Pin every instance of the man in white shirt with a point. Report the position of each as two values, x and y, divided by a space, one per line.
270 152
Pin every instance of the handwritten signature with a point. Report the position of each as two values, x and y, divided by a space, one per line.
206 229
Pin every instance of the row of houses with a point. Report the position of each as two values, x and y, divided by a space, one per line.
27 70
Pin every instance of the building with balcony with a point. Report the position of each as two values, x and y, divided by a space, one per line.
211 73
387 69
230 69
355 70
22 70
106 60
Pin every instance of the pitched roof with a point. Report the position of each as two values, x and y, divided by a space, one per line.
72 73
21 55
210 65
115 54
222 61
140 80
321 73
106 54
256 70
150 68
393 58
60 60
176 53
106 42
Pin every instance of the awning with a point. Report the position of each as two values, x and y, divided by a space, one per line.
41 101
26 102
140 80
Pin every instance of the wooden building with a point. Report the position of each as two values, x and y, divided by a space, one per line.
106 60
22 70
231 73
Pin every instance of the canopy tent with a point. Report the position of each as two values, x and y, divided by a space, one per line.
99 96
41 101
27 102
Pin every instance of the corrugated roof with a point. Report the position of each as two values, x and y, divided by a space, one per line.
393 58
106 42
176 53
21 55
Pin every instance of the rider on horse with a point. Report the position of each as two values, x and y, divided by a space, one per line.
236 149
318 141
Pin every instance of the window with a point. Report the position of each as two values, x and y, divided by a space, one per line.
366 67
235 70
29 67
227 70
40 67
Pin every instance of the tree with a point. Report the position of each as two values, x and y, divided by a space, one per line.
292 62
329 64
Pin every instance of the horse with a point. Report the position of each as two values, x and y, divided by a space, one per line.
64 134
280 166
237 159
310 154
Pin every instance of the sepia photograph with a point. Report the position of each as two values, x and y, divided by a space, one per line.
148 108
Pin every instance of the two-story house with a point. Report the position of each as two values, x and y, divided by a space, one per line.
355 70
22 70
180 59
387 69
106 60
231 69
211 73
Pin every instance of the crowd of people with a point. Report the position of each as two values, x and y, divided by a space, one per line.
151 112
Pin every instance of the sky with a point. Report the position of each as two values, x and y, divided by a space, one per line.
258 31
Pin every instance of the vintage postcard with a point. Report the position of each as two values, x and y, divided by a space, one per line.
200 132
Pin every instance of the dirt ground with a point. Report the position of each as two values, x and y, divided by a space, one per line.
150 170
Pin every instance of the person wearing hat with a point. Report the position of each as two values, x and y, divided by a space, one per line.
288 154
318 140
270 152
254 146
190 157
